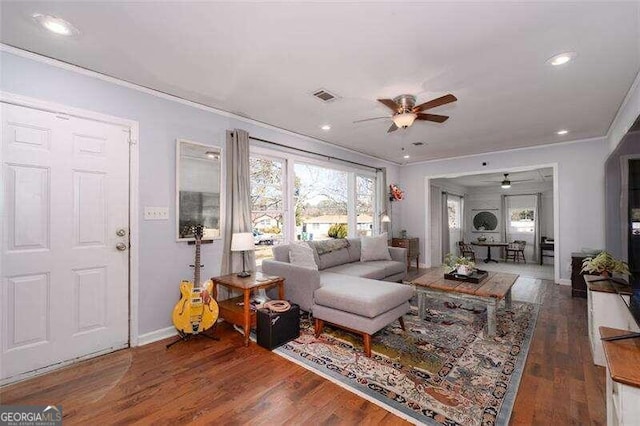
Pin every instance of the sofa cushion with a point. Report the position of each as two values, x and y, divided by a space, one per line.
335 258
361 269
354 249
301 254
375 248
360 296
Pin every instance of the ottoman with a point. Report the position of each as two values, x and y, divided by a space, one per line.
360 305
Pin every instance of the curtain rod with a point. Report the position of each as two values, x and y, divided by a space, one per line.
315 153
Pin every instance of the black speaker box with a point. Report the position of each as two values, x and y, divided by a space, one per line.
277 328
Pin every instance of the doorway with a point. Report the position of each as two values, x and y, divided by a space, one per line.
65 260
500 207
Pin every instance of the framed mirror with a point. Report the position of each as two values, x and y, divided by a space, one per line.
198 184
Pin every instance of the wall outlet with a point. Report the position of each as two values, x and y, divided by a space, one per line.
156 213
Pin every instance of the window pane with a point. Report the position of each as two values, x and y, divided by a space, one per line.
267 204
521 220
455 217
320 198
365 205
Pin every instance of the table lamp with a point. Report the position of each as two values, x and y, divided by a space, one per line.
242 241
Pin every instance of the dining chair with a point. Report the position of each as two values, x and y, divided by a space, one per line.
515 251
466 250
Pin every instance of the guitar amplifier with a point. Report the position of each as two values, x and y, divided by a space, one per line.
277 328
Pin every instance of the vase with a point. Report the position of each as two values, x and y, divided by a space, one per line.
464 270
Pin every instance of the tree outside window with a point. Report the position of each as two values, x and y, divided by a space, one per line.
521 220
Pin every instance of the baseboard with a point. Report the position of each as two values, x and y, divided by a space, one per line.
564 281
154 336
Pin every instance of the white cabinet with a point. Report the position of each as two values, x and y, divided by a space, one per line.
623 403
608 310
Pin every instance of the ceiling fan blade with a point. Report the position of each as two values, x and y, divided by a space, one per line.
432 117
390 104
393 128
442 100
371 119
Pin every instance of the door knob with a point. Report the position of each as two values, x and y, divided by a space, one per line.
121 232
121 246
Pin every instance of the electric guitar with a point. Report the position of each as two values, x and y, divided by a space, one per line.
196 311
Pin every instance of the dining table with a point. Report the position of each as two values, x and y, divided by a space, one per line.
488 245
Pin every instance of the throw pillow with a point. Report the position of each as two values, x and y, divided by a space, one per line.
300 254
375 248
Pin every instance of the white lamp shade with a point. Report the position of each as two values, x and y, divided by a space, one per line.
405 119
385 218
242 241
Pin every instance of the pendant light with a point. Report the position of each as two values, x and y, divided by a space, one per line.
506 183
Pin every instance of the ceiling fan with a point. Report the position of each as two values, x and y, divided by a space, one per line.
506 182
405 112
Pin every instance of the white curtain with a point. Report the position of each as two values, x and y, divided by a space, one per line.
445 225
382 195
237 200
505 218
536 230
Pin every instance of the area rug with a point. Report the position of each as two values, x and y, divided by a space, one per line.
442 370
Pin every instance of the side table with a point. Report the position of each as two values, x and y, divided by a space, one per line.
237 310
413 249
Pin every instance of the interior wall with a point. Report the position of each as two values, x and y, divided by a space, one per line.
625 117
163 262
580 189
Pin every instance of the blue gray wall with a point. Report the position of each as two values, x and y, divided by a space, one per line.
163 261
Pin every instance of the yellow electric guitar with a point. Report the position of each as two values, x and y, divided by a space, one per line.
196 311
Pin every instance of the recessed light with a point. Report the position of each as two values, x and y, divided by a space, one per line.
55 25
326 127
561 58
562 132
406 156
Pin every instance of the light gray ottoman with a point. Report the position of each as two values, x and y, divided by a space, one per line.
359 305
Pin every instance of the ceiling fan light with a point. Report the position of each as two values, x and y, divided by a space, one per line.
505 184
404 119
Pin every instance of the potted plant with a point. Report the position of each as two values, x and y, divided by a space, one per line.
460 265
604 264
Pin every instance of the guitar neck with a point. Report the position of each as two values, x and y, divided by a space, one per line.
196 269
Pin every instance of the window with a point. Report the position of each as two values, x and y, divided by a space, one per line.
365 205
267 204
521 221
453 207
297 198
321 202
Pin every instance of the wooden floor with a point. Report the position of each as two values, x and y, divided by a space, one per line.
205 381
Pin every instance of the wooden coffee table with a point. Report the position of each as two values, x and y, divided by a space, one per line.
237 310
493 289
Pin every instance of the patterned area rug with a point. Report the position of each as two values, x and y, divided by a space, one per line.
442 370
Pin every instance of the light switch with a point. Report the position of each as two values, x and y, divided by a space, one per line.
156 213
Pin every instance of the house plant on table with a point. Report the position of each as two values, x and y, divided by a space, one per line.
606 265
459 265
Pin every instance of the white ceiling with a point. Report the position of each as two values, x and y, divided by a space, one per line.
263 60
529 177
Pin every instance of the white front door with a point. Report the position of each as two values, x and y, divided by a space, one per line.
65 208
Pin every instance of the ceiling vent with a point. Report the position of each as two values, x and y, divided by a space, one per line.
324 95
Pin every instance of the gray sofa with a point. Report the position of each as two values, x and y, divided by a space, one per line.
359 296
